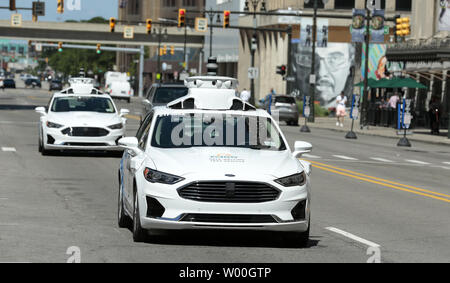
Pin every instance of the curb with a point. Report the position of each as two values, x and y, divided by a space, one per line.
411 138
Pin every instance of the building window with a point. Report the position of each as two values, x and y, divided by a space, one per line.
189 3
403 5
344 4
320 4
168 3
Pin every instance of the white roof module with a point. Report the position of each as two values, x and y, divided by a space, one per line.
211 93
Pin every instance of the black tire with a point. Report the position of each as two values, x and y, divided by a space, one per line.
124 220
295 123
288 123
139 234
129 100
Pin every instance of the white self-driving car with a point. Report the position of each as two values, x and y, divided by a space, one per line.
211 161
81 118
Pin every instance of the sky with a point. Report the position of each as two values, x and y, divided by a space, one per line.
89 9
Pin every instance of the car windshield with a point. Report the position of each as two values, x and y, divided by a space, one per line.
216 130
83 104
285 99
165 95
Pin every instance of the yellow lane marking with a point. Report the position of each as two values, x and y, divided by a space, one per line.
380 183
380 179
38 98
134 117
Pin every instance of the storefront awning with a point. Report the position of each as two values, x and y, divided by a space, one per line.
393 83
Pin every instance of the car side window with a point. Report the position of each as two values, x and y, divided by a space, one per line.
142 134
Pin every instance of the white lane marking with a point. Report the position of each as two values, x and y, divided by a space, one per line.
381 159
8 149
311 156
353 237
448 163
417 162
4 198
344 157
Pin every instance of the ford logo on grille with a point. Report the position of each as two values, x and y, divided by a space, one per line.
230 189
230 175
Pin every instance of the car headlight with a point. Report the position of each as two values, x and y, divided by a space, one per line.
54 125
293 181
116 126
154 176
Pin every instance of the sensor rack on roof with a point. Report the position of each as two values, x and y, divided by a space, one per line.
84 90
85 81
211 82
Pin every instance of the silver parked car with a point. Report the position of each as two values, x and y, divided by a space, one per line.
286 106
161 95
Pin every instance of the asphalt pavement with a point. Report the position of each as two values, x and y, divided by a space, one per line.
367 193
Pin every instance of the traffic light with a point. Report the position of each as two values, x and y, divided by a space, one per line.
60 46
403 27
12 5
149 26
161 51
165 50
181 18
99 48
60 7
172 50
226 19
281 70
112 24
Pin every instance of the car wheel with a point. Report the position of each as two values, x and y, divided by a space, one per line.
139 234
129 100
295 123
123 219
299 239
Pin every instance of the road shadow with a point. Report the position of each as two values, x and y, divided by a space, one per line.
17 107
227 238
443 133
85 154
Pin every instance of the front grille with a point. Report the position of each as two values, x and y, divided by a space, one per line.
85 132
229 192
85 144
228 218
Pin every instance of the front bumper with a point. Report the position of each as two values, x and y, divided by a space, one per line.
288 116
176 209
55 140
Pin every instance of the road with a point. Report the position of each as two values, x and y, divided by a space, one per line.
366 193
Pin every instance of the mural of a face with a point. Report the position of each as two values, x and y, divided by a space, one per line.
333 65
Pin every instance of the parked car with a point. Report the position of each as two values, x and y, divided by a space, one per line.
33 83
286 107
9 83
161 95
56 85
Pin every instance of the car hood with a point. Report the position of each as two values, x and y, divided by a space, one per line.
218 162
84 119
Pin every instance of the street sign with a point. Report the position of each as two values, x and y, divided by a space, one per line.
312 79
387 30
201 24
290 79
38 47
354 112
128 32
306 106
253 73
16 20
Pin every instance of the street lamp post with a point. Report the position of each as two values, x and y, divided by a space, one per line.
254 44
160 35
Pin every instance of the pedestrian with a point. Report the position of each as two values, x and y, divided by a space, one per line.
393 101
434 113
245 95
341 102
269 100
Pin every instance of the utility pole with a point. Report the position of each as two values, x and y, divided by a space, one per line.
365 106
313 78
141 71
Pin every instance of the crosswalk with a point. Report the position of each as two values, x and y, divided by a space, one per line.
338 157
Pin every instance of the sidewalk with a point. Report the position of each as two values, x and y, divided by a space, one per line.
420 135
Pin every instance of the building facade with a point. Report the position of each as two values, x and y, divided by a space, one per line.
273 48
159 10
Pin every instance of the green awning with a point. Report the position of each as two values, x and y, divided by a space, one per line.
393 83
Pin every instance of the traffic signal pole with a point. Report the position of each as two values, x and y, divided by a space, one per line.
312 89
365 105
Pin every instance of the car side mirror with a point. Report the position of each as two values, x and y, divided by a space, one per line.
124 112
130 143
301 148
146 102
41 110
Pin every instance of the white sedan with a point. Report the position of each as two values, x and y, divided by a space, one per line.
81 121
209 169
